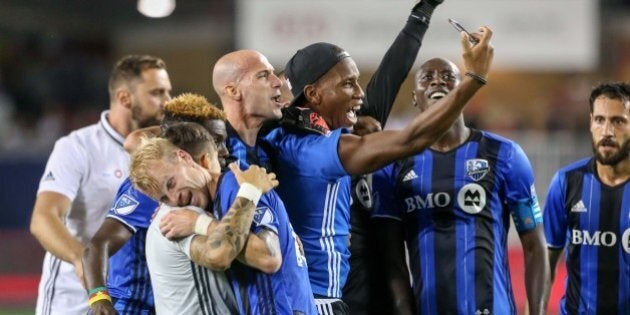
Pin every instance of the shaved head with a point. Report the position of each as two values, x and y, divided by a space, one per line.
231 67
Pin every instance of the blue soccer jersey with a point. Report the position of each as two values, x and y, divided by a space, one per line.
315 188
244 154
128 278
455 208
284 291
593 221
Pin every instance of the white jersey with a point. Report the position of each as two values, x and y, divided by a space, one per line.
181 286
87 166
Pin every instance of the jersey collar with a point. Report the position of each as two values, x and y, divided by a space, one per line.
110 130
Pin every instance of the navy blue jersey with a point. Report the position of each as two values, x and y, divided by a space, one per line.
455 208
246 155
593 221
284 291
128 278
316 191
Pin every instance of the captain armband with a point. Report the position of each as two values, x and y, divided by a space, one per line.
526 214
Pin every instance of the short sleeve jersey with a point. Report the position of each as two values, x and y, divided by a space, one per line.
181 286
315 189
455 208
87 166
128 278
285 291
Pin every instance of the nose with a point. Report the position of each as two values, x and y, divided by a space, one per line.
172 198
358 92
608 129
275 81
222 150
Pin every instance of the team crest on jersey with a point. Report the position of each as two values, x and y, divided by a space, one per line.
125 205
263 216
477 168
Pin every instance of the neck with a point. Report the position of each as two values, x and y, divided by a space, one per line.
246 126
454 137
613 175
120 119
213 185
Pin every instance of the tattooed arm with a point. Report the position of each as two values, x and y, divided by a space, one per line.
227 239
262 251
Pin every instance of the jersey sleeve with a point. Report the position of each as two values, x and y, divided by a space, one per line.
521 198
555 214
265 217
386 204
66 169
319 150
131 207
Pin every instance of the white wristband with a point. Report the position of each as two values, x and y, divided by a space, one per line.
202 223
249 191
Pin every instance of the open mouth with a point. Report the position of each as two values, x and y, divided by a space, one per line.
437 95
352 113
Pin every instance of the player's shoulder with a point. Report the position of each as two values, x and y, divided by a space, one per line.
498 138
581 164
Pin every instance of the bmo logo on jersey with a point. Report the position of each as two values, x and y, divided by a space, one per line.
430 201
600 238
471 198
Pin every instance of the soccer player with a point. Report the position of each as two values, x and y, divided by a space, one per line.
81 177
365 290
280 271
122 235
451 203
314 164
588 212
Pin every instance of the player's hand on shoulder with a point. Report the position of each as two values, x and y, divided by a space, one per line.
256 176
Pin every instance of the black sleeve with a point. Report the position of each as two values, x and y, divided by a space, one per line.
384 85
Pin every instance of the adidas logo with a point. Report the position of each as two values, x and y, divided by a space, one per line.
49 176
578 207
411 175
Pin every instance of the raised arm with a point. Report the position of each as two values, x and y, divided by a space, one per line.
365 154
110 237
384 85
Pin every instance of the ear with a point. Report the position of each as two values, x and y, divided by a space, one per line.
311 93
413 99
183 155
233 91
204 160
124 97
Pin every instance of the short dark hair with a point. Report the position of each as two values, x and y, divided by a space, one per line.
130 68
190 137
612 90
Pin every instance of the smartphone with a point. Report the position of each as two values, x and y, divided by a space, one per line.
460 28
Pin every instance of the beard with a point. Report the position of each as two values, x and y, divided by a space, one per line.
614 158
142 119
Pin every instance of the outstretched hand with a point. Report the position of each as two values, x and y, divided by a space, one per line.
256 176
478 58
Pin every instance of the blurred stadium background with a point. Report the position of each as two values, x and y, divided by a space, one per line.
55 57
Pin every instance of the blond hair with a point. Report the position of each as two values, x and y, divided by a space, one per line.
150 150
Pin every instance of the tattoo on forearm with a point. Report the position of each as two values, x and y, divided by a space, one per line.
271 242
234 227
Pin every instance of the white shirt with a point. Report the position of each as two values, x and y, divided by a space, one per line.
181 286
87 166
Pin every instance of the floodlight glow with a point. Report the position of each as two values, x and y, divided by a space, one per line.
156 8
